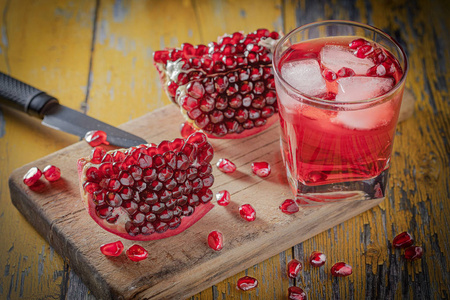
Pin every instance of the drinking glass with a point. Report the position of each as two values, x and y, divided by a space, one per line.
339 149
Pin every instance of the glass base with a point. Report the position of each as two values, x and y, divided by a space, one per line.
369 189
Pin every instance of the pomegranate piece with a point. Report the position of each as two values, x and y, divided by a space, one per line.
32 176
296 293
226 88
403 240
52 173
247 212
112 249
151 191
215 240
289 207
261 169
246 283
136 253
226 165
317 259
96 138
413 253
294 267
341 269
223 198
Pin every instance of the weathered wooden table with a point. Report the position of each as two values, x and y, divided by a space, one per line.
96 56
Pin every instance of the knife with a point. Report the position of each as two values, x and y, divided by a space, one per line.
19 95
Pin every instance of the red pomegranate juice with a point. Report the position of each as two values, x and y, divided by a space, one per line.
342 143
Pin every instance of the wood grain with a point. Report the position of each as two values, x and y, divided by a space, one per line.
96 56
182 265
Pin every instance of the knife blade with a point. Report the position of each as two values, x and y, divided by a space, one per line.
19 95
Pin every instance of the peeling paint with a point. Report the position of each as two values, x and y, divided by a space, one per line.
4 37
103 32
120 11
2 124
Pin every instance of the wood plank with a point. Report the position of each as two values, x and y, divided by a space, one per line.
183 260
47 44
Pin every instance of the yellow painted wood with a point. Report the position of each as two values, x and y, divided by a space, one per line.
48 44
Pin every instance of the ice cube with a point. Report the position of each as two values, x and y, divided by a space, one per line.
362 87
305 76
336 57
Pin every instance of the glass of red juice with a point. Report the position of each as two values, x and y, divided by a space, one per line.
340 86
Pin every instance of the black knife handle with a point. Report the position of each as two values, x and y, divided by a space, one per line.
19 95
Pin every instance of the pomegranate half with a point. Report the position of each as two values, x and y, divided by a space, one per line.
226 88
149 192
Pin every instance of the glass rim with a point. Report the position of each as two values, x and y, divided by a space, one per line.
334 103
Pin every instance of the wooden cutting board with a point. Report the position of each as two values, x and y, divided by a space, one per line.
183 265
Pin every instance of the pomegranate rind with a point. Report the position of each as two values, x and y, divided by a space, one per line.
118 228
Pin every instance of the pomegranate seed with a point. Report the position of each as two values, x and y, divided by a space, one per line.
261 169
112 249
296 293
161 56
363 51
294 267
247 283
358 43
215 240
223 198
345 72
32 176
289 207
136 253
52 173
341 269
329 75
413 253
317 259
226 166
403 240
96 138
247 212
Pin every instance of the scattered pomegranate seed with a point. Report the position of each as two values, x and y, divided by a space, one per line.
341 269
215 240
294 267
52 173
296 293
358 43
112 249
363 51
329 75
247 283
403 240
345 72
247 212
32 176
96 138
262 169
413 253
226 165
289 207
136 253
186 129
223 198
317 259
